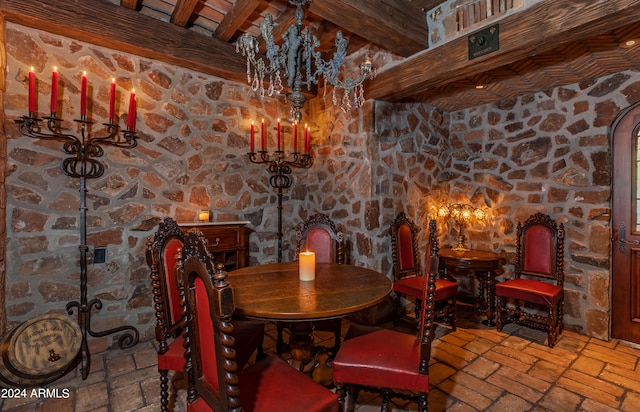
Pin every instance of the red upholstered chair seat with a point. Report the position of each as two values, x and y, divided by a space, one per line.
397 357
272 385
412 286
530 290
173 358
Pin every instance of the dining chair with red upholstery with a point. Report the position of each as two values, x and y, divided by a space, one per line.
408 279
319 234
214 382
161 253
535 296
392 363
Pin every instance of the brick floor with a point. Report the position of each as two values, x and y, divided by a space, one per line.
474 368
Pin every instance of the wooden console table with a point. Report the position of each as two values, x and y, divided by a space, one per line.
482 264
228 241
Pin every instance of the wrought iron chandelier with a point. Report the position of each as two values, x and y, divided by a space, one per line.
295 58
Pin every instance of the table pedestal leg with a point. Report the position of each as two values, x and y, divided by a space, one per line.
301 343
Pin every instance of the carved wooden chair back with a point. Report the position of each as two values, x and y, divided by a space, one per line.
208 298
319 234
161 253
404 247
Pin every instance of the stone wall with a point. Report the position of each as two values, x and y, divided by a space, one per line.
544 152
192 138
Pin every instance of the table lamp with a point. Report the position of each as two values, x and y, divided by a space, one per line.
463 214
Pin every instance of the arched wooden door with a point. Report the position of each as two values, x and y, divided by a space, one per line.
625 248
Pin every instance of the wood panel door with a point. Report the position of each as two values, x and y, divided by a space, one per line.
625 248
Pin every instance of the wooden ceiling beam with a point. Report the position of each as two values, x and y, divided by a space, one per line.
183 12
541 27
397 25
235 18
108 25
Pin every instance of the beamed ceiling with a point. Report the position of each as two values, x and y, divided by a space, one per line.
549 44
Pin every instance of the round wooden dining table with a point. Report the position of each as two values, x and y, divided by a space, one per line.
274 292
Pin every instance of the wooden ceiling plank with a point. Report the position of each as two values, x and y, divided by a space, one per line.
542 27
108 25
396 25
235 18
183 12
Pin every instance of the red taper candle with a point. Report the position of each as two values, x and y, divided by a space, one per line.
32 91
112 99
295 136
278 134
54 90
262 131
83 94
253 143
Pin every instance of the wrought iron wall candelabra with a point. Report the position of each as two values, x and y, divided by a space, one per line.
82 164
280 169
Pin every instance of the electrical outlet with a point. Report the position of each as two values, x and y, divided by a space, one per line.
100 255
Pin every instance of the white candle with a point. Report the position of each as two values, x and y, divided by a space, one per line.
307 262
204 215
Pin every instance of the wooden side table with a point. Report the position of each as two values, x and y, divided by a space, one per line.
482 264
228 241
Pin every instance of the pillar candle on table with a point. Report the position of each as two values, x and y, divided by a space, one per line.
112 99
307 266
83 94
54 90
32 92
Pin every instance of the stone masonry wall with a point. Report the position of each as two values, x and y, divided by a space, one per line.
193 134
544 152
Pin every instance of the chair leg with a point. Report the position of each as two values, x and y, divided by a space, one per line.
341 396
385 401
454 314
423 402
500 302
164 390
280 339
397 307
